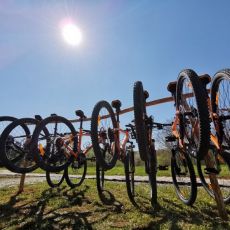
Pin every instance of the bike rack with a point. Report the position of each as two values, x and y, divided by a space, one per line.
208 161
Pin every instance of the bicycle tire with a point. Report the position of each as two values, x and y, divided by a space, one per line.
220 161
223 124
18 157
177 169
129 165
100 178
201 112
76 165
152 164
53 161
55 181
98 150
139 117
2 119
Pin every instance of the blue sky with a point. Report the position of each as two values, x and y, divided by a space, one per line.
123 41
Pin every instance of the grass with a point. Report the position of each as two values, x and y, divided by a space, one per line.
119 170
40 207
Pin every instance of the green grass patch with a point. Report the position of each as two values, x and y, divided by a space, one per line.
40 207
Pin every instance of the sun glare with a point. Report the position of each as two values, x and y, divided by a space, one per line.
71 34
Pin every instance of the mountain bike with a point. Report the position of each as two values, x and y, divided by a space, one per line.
4 122
15 145
110 143
144 127
219 108
191 132
62 149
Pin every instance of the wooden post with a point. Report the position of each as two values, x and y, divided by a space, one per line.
22 182
209 162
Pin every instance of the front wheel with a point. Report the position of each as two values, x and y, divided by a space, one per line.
103 135
183 176
53 150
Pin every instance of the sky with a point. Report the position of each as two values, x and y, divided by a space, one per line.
123 41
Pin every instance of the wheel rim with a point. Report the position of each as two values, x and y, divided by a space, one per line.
182 176
189 118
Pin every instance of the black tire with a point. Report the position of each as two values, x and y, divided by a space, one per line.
129 165
139 117
4 122
152 164
55 179
193 114
220 101
183 176
54 156
105 156
221 166
100 178
76 176
15 146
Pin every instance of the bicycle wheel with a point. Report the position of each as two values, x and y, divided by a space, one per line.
139 117
152 171
194 125
15 146
183 176
53 151
54 179
222 169
100 178
103 135
76 172
220 101
4 122
129 165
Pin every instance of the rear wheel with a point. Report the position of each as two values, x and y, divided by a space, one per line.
100 178
222 169
76 172
183 175
130 174
194 125
103 135
53 150
54 179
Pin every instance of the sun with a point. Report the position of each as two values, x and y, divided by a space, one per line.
71 34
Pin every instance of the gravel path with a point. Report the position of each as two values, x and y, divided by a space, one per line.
9 179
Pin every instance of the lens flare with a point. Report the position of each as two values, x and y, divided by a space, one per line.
71 34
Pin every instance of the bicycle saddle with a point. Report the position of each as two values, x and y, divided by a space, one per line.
38 117
80 114
146 94
116 104
205 79
172 87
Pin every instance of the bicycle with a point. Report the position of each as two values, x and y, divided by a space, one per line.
190 131
4 122
144 127
109 146
63 148
15 145
219 149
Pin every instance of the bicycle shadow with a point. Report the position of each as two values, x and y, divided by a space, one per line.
46 212
175 214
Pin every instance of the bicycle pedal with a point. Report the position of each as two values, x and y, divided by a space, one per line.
211 171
